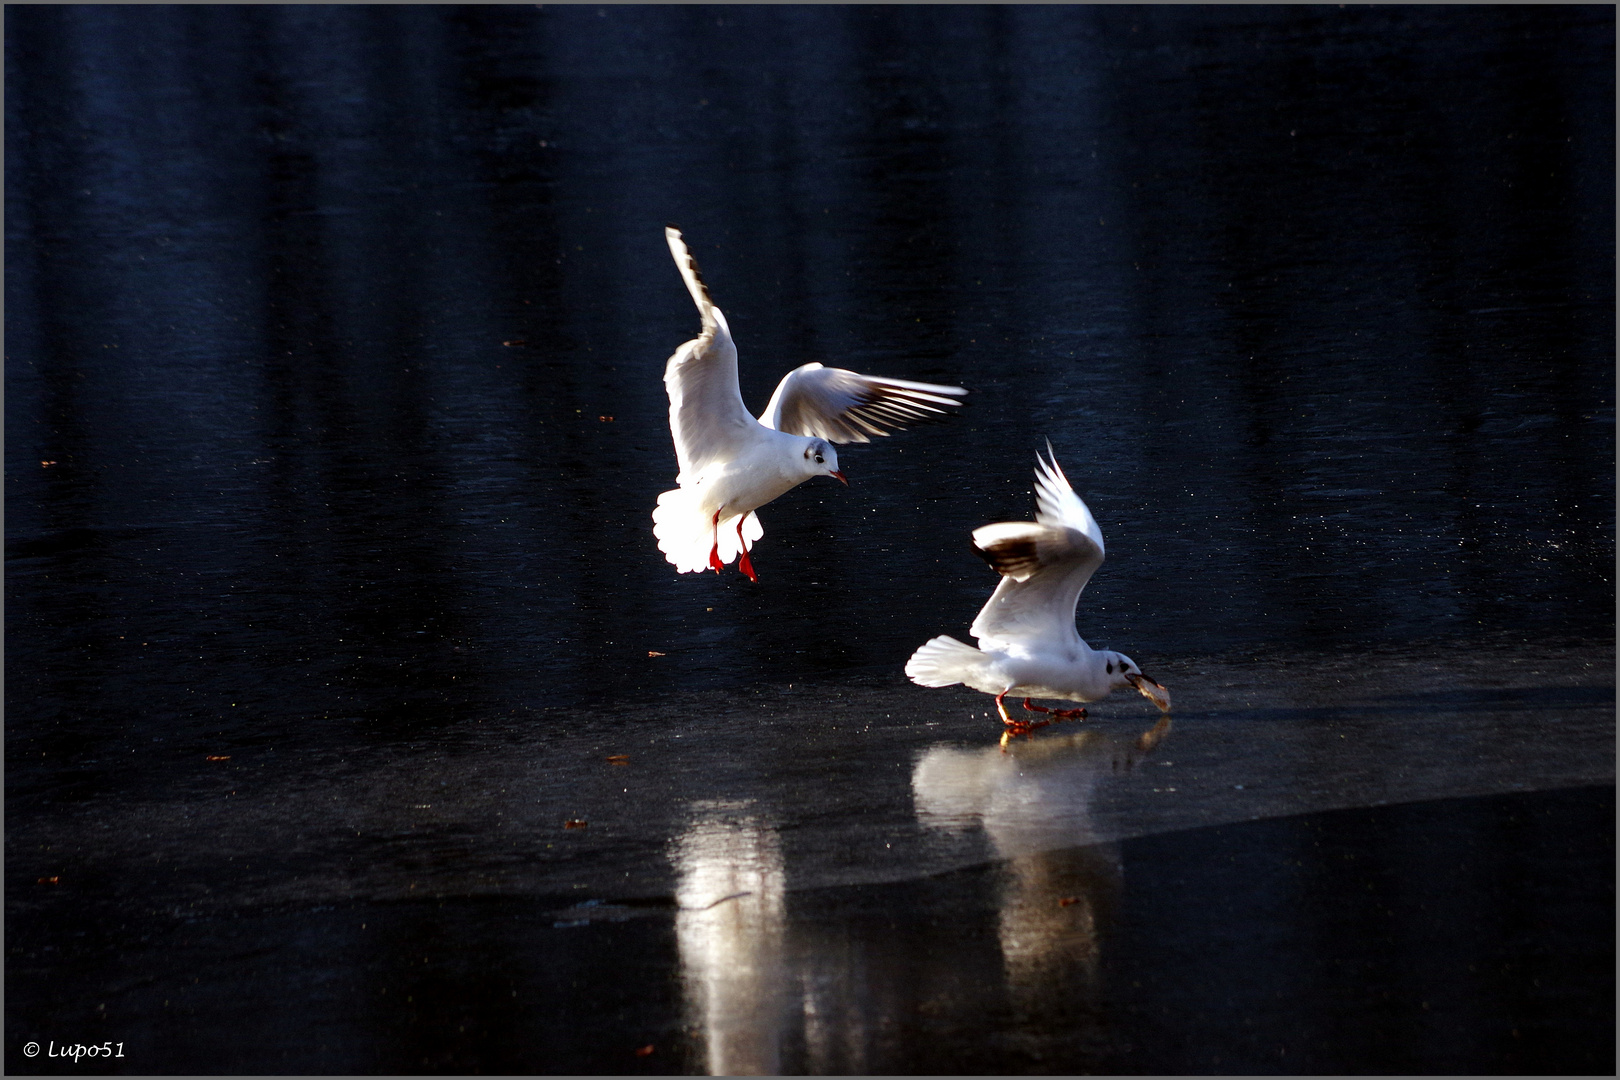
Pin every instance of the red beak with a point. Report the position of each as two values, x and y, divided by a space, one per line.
839 473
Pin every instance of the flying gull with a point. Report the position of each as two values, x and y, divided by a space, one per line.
731 464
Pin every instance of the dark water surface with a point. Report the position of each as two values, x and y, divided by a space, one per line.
334 422
1461 936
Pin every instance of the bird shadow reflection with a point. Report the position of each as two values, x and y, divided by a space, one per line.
1035 796
1061 879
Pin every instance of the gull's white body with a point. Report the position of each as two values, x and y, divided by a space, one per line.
702 515
1018 670
1028 644
732 463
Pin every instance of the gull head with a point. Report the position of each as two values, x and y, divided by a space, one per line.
1124 672
820 459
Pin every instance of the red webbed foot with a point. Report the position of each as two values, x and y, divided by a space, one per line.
1016 728
1025 728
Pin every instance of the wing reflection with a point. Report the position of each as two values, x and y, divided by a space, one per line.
729 930
1061 881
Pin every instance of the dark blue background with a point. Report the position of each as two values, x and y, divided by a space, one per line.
335 335
1317 307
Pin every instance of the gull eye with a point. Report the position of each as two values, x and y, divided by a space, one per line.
820 460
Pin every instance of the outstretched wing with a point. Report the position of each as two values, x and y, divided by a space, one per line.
706 412
1044 565
1057 504
843 406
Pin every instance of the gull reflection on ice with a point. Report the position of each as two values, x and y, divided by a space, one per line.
1034 798
1062 878
729 929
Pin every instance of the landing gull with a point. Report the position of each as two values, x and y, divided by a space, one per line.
730 463
1028 644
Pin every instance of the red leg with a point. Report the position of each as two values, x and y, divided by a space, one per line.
744 563
1016 728
1061 714
714 550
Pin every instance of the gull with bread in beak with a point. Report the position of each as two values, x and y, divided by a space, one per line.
1028 644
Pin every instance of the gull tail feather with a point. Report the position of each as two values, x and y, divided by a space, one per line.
944 661
687 534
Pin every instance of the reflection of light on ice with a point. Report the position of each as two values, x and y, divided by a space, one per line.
1034 804
729 930
757 995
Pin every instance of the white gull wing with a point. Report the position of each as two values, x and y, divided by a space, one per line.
1057 504
1044 565
844 406
706 412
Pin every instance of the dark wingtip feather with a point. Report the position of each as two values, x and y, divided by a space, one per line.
691 263
885 407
